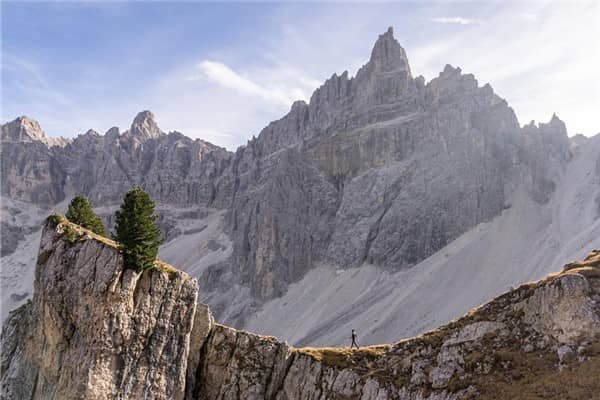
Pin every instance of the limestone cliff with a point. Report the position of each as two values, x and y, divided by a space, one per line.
95 330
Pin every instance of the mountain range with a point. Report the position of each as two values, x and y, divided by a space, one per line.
386 203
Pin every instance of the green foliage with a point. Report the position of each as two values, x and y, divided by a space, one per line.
54 220
136 231
80 212
71 234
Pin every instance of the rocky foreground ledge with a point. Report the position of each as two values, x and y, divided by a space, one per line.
95 330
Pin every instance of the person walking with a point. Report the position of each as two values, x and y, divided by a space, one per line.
354 340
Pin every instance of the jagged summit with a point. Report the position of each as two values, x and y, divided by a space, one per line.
91 132
555 125
22 129
113 133
388 56
27 130
144 127
556 121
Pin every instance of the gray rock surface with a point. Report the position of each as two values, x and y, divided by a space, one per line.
95 330
27 130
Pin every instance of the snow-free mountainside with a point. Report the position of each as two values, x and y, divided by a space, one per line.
386 203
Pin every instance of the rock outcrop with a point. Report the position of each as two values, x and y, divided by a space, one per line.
144 127
95 330
540 338
27 130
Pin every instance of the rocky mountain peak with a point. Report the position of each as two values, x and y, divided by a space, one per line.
555 128
27 130
22 129
91 132
558 124
144 127
449 70
385 79
388 56
112 134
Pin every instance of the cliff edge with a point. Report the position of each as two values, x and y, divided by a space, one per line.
94 329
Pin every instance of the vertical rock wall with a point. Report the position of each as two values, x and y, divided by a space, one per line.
95 330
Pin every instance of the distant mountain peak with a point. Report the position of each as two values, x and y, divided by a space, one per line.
556 120
388 56
145 127
22 129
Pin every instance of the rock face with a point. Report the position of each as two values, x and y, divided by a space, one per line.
513 346
381 168
27 130
172 167
94 330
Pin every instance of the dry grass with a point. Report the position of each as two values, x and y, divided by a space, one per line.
81 232
164 267
587 271
536 376
268 338
344 357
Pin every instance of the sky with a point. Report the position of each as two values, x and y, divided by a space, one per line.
223 71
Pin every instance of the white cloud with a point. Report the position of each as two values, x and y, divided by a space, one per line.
455 20
223 75
226 106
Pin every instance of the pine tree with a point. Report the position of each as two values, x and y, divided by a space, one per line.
136 230
81 213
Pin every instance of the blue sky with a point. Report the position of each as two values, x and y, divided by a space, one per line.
222 71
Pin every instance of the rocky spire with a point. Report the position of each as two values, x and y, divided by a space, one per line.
388 55
144 127
22 129
112 134
558 123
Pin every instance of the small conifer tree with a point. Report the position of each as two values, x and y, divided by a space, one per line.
136 230
80 212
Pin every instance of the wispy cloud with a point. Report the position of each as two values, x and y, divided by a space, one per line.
12 63
29 78
456 20
223 75
224 105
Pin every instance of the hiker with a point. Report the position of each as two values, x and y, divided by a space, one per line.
354 339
